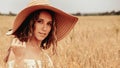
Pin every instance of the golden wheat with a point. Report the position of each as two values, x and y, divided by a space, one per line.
93 43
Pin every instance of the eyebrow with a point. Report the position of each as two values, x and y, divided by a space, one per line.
43 19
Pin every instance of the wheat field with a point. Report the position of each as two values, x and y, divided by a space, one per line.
93 43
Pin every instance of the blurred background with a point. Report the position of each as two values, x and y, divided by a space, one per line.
70 6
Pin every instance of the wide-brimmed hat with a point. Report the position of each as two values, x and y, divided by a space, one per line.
64 22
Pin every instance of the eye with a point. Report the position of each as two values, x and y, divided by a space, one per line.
39 20
49 23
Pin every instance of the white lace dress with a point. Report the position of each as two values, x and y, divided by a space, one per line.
30 63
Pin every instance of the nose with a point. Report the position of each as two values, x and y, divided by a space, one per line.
44 27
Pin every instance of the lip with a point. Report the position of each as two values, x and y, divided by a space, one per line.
41 33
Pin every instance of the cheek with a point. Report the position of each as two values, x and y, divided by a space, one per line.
37 27
49 29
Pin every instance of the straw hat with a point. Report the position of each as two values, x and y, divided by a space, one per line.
64 21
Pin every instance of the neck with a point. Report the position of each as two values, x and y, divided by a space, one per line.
34 42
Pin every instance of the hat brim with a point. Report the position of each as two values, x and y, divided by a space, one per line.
64 21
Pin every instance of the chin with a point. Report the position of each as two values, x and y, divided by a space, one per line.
40 38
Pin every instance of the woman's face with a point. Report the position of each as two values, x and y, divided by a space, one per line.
42 26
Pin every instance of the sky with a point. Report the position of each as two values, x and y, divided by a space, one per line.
70 6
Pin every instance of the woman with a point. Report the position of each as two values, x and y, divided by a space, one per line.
36 28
